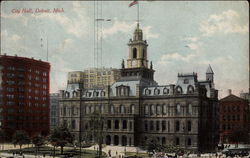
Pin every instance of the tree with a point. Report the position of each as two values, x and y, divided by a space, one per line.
2 138
20 138
38 141
152 144
96 130
60 136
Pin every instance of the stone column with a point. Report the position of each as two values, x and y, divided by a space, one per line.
112 140
132 141
120 125
112 125
120 140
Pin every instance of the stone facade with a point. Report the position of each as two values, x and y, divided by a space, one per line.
136 108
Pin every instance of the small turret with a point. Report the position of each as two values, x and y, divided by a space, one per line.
138 35
210 74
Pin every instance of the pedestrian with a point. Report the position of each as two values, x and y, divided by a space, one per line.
116 153
109 153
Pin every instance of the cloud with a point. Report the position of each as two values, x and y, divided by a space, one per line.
75 25
226 22
118 26
192 39
21 17
124 27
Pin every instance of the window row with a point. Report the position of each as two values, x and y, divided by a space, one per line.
167 109
166 126
111 109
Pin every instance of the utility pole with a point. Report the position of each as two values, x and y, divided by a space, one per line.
80 123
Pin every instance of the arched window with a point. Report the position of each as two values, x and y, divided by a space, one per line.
147 91
158 109
132 109
178 109
111 109
103 94
101 108
152 109
164 110
178 90
87 109
156 91
190 110
190 89
122 109
146 110
134 53
92 108
165 91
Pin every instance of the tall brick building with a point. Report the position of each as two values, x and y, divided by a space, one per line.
24 95
234 115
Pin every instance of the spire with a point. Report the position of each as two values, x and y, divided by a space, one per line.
209 70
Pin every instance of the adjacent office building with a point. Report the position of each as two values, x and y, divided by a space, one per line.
93 77
24 95
54 105
234 115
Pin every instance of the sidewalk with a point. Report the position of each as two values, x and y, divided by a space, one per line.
23 156
117 150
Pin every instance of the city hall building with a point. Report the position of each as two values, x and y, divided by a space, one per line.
136 108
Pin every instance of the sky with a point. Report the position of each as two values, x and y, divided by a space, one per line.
182 36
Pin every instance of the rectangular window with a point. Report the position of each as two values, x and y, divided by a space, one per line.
73 124
163 124
177 126
109 124
189 126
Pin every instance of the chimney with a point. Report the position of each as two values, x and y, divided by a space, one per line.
229 91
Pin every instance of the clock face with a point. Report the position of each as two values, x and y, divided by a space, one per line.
133 63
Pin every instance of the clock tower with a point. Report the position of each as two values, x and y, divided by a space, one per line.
137 64
137 56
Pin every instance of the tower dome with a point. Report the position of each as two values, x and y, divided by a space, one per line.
138 35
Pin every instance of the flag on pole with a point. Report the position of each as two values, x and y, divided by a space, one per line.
133 3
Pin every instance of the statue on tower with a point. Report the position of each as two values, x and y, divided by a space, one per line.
151 65
123 65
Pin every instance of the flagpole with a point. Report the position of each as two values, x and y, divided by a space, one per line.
138 12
